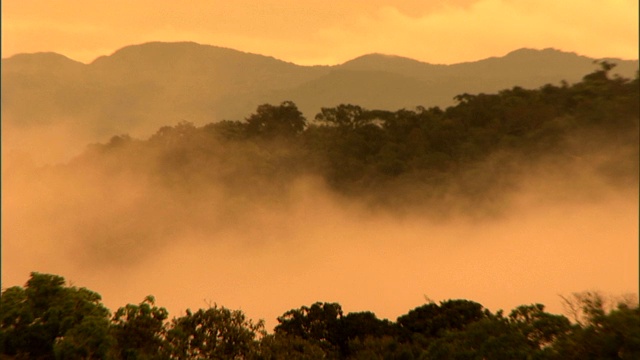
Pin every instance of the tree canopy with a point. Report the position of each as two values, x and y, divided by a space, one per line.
47 319
405 157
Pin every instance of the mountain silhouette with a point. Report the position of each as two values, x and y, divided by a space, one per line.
140 88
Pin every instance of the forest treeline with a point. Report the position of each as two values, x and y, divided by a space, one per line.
47 319
475 150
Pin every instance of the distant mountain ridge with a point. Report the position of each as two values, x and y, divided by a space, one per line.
139 88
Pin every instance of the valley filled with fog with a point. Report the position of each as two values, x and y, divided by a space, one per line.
506 199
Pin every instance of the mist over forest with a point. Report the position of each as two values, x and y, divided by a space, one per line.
505 197
140 88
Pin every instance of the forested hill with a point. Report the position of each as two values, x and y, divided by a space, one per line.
476 152
140 88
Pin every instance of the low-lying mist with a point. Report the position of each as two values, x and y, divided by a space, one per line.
229 235
504 199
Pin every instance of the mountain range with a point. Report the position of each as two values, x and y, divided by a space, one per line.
140 88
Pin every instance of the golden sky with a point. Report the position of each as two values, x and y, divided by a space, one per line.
323 32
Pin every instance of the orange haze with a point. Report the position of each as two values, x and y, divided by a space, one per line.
319 32
124 238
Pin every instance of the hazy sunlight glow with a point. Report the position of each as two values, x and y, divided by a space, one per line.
312 32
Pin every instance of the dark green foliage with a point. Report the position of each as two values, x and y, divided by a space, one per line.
431 320
318 323
214 333
91 339
46 317
284 347
361 325
601 334
538 327
349 117
270 121
324 325
489 338
48 320
139 330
